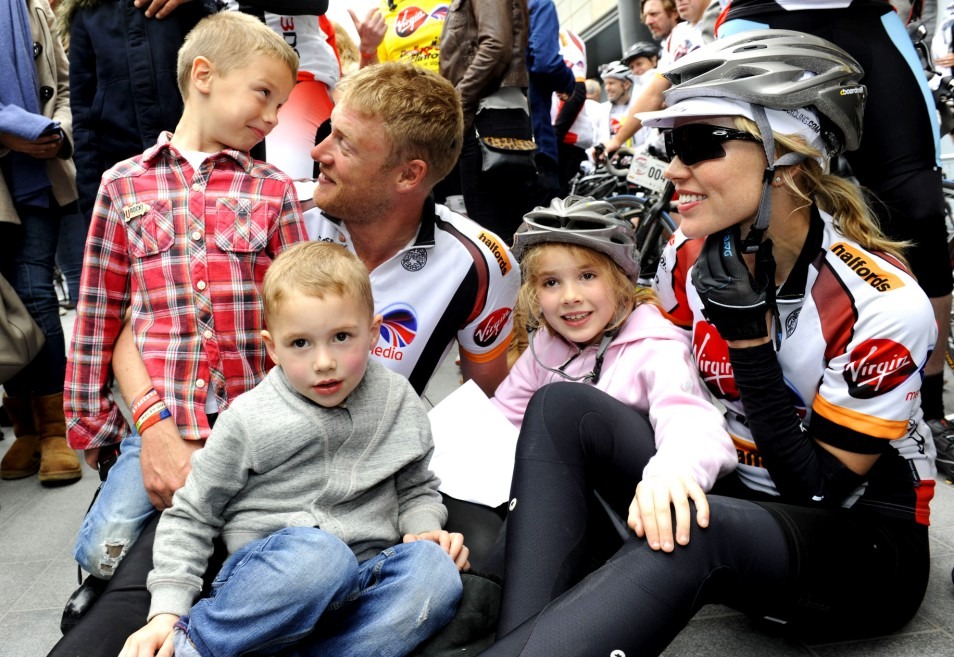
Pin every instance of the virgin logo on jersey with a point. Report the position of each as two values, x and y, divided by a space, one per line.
398 330
489 330
711 354
877 366
857 262
408 20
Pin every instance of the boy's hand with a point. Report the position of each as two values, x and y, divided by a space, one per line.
650 513
453 544
153 639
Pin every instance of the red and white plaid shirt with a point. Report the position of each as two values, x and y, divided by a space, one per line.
186 251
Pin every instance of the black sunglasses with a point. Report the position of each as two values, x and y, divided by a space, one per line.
698 142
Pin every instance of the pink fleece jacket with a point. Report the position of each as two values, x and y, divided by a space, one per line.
649 367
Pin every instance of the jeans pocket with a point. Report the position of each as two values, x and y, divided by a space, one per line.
241 224
150 232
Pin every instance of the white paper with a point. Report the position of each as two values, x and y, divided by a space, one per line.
474 447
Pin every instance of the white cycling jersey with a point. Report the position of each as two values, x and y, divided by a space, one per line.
852 353
454 280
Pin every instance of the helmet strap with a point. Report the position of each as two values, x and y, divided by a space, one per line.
750 243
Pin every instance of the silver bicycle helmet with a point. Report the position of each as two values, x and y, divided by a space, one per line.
768 68
640 49
584 221
616 70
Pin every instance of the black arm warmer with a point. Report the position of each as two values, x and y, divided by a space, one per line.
570 110
804 472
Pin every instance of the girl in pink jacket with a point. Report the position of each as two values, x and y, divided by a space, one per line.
654 440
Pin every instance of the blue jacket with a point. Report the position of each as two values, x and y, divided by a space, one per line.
548 72
123 88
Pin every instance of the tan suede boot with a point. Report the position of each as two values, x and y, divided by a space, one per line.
58 461
23 457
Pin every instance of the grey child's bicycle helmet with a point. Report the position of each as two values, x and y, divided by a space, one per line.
584 221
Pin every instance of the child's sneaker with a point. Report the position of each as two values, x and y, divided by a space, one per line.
943 432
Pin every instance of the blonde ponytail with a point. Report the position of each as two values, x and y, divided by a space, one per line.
841 198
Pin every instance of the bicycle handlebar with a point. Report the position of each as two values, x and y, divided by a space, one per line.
621 153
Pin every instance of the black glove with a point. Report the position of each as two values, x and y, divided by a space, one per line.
733 301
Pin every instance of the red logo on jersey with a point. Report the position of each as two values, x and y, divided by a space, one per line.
712 360
408 20
489 330
877 366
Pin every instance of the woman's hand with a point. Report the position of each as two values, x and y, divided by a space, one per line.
45 147
735 301
452 544
650 514
153 639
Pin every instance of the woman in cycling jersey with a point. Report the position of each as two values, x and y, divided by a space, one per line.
809 330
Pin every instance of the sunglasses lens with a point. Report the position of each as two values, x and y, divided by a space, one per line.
695 143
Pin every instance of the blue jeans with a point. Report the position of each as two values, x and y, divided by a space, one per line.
31 275
69 251
301 592
117 517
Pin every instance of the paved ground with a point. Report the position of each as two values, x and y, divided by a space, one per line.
37 574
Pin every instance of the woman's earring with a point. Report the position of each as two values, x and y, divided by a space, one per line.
778 181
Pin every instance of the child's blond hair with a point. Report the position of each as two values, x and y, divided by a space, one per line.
229 40
625 292
316 269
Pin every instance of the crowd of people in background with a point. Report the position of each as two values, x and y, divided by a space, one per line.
188 166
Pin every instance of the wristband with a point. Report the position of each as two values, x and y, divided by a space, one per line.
144 408
152 418
140 403
368 55
154 409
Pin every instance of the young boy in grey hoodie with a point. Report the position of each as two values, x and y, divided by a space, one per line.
318 483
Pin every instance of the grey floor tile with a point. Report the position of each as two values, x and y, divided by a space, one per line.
29 633
51 588
734 636
16 579
935 643
938 605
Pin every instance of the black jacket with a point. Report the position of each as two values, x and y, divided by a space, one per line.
123 89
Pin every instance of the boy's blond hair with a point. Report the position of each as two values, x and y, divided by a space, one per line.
316 269
229 40
420 112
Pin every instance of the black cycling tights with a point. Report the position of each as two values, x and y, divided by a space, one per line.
858 572
576 439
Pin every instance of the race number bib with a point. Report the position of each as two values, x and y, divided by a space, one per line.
647 172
